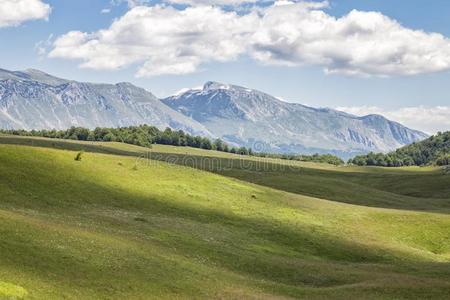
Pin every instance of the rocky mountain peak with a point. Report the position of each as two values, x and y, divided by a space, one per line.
213 85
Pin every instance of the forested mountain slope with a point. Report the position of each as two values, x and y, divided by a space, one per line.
434 150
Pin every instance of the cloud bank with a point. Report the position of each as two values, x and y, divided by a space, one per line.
424 118
161 39
15 12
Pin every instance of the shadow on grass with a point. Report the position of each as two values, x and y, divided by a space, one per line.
398 191
305 257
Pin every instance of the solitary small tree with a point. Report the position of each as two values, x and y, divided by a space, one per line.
78 156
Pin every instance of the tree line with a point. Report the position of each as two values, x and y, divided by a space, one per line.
320 158
433 151
145 136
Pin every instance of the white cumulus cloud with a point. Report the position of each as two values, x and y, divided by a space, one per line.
166 40
163 40
359 43
429 119
15 12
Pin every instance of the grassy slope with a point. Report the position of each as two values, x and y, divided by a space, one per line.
410 188
98 228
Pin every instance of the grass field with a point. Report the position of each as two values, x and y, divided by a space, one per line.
117 225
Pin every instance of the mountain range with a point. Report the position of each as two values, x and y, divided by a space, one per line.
32 99
35 100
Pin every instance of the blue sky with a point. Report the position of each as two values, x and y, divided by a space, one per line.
414 91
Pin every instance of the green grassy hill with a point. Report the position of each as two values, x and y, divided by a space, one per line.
426 188
117 225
